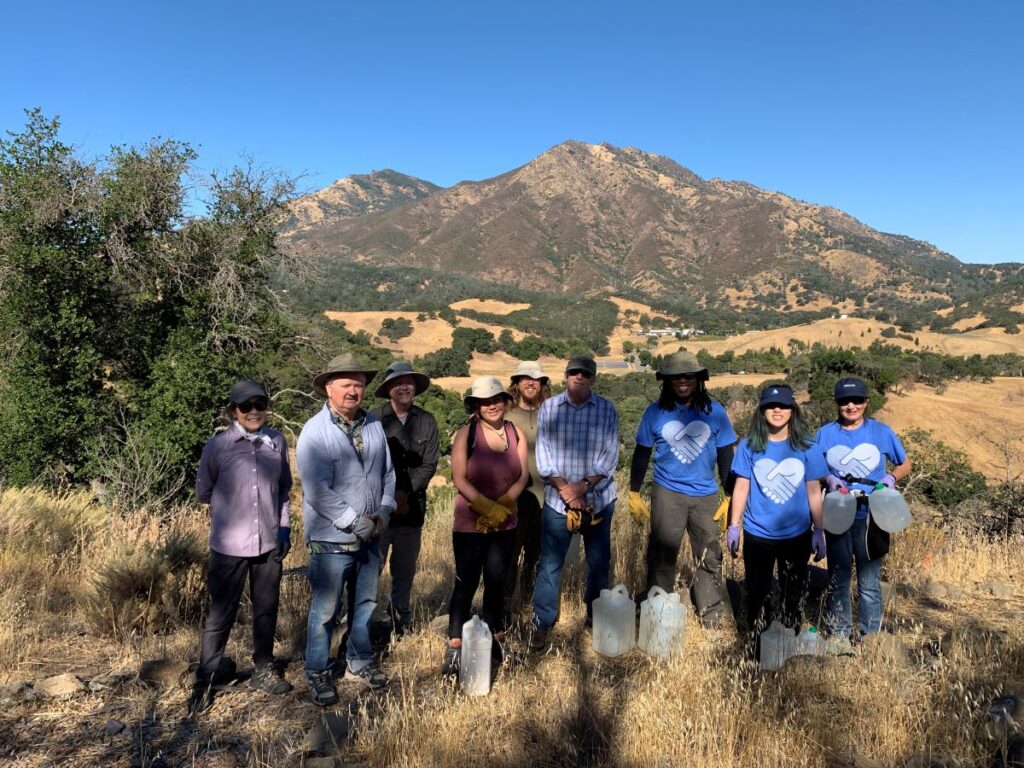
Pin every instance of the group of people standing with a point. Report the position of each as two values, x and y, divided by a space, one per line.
531 470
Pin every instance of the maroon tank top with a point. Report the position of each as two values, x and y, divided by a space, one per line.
492 473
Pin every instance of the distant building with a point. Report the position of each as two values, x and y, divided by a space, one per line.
681 332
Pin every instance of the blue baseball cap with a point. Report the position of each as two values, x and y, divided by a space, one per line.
850 388
777 394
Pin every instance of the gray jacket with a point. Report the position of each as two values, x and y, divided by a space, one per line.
338 486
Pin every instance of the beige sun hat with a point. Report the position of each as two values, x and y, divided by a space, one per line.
343 363
530 369
484 388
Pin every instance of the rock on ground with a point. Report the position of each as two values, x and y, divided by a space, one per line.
164 672
60 686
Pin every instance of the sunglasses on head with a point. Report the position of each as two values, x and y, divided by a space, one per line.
259 405
852 400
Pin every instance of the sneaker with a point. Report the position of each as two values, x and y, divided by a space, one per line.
370 675
539 641
839 645
201 699
452 657
267 677
321 688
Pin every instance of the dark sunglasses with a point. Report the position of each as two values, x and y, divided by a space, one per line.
684 377
578 372
854 400
260 405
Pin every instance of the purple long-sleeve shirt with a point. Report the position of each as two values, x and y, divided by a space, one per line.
246 485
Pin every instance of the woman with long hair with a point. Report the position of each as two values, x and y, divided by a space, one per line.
489 470
690 435
777 503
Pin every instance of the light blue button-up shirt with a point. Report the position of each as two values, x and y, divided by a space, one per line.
577 441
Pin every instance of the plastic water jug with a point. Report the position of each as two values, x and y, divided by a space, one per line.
662 624
778 643
838 511
889 509
614 622
810 643
475 664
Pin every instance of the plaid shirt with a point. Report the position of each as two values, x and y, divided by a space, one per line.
353 431
577 441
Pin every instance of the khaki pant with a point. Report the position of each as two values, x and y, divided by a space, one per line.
671 514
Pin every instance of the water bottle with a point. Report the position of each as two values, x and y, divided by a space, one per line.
810 643
662 624
475 664
778 643
614 622
838 511
889 509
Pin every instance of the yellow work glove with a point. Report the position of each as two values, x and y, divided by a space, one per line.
491 514
507 502
722 513
638 508
573 519
595 518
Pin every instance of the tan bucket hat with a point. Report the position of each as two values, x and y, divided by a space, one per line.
484 388
530 369
679 363
343 363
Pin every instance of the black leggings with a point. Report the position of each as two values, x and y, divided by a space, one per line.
759 559
476 553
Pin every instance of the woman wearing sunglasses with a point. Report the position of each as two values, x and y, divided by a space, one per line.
777 497
858 451
245 478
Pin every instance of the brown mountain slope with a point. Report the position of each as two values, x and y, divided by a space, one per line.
595 218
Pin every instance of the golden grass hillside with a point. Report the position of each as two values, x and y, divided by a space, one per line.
923 701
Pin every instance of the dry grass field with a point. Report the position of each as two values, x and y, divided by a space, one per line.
922 698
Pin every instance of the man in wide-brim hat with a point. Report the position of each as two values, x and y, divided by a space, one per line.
529 387
413 441
690 436
348 489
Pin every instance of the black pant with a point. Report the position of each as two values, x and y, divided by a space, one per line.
225 580
527 546
476 553
759 558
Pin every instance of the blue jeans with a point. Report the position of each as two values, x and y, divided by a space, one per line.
328 575
554 543
843 550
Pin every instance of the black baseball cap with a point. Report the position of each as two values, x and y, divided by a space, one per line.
777 394
850 388
245 389
581 363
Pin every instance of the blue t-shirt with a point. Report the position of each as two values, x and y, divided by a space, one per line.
860 452
685 446
777 506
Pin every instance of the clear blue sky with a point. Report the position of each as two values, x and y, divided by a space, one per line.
907 115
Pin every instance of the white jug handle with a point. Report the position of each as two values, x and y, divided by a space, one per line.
620 589
655 591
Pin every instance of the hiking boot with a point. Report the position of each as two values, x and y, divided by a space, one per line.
539 641
839 646
321 688
267 677
201 699
452 658
370 675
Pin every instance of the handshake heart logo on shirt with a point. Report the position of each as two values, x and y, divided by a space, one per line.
686 441
859 461
779 481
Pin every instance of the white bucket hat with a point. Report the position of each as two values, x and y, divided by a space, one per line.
530 369
484 388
